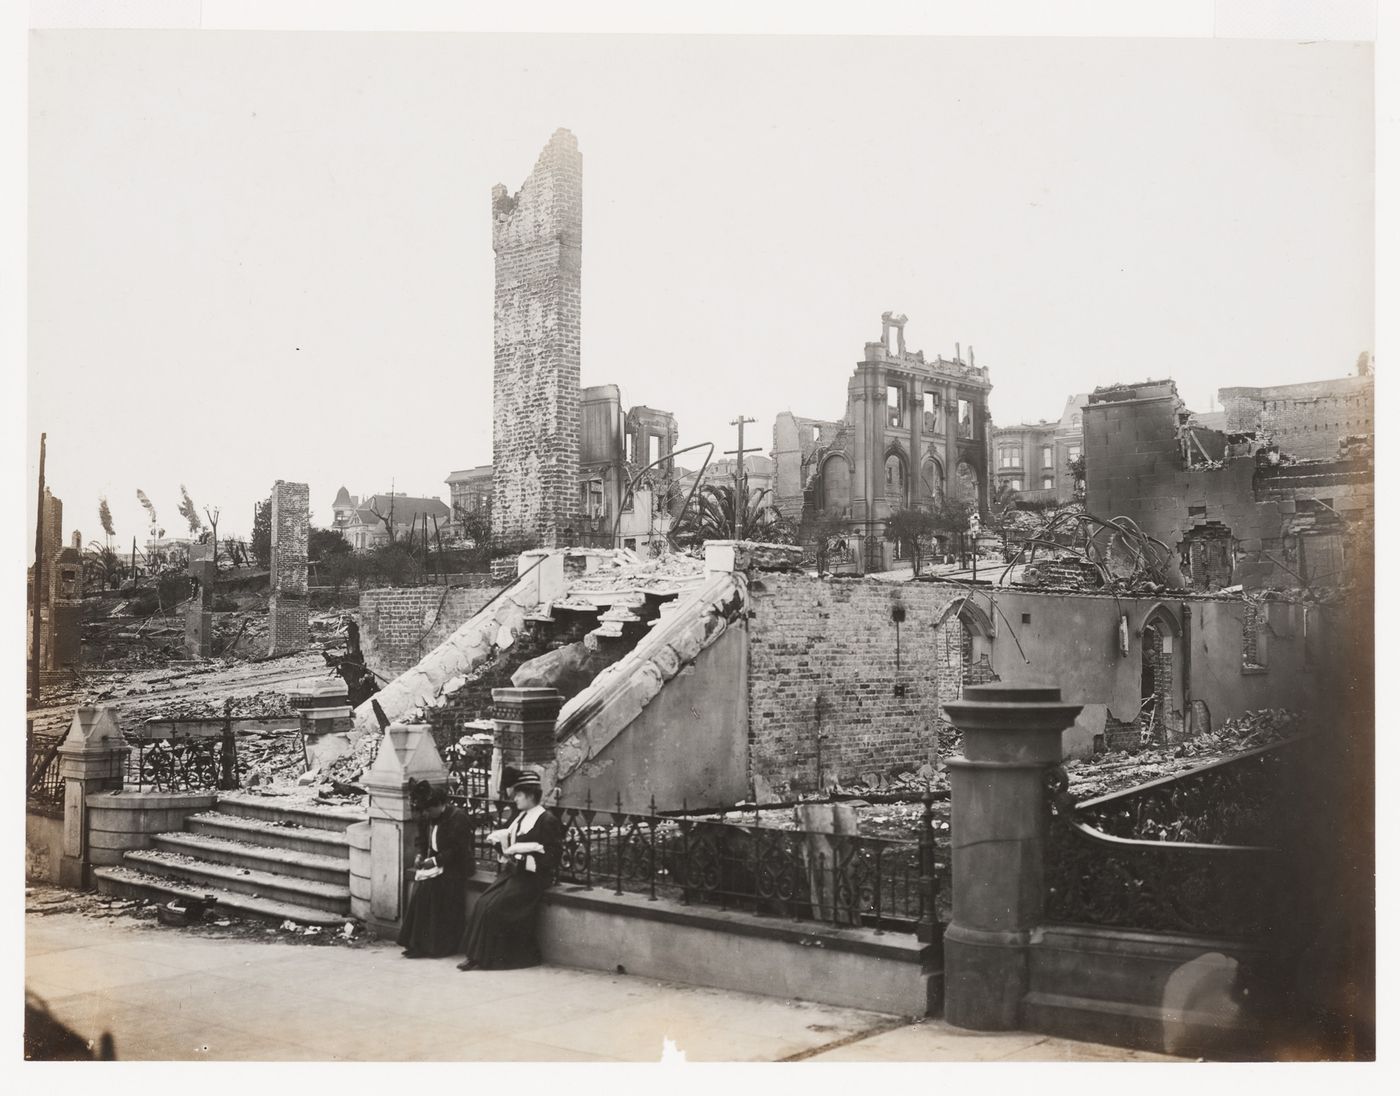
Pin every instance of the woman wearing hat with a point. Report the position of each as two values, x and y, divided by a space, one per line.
501 930
437 906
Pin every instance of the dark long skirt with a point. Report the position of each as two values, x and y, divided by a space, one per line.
437 910
501 932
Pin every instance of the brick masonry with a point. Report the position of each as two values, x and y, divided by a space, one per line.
537 235
1304 420
287 607
1135 469
822 661
399 625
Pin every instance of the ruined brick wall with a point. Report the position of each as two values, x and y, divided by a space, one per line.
1135 470
537 236
287 606
822 660
399 625
1303 420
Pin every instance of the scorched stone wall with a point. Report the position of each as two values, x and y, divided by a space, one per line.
825 676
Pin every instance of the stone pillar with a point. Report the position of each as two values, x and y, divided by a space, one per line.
1011 736
525 720
327 720
407 751
287 611
199 616
91 759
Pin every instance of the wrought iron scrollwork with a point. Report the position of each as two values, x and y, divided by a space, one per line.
1124 860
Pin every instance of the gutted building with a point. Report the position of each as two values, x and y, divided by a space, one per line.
914 431
1235 508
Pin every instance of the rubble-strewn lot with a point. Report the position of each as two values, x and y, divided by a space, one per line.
893 807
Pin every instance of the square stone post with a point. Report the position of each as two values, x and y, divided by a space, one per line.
525 720
91 759
199 616
1011 737
407 751
287 627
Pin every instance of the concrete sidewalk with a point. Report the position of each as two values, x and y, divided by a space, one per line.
176 994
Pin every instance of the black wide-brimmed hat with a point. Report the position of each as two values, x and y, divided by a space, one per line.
527 781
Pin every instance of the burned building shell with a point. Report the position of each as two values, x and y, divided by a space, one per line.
915 431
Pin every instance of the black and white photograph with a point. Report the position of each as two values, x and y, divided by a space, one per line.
821 541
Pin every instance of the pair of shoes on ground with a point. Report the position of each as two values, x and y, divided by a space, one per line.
468 964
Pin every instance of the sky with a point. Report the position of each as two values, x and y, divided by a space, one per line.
260 256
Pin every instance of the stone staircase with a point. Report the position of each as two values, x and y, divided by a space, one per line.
257 858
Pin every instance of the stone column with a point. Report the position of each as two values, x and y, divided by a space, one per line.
407 751
1011 736
525 720
91 759
287 629
327 720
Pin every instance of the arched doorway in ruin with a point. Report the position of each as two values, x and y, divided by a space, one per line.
1161 682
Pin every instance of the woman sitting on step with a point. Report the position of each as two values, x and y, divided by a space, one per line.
501 930
437 906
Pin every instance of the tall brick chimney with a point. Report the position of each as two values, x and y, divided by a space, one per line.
537 234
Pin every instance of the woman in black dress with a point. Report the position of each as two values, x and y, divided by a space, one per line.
437 906
501 930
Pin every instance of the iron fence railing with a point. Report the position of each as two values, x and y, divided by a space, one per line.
884 884
44 784
1195 853
184 756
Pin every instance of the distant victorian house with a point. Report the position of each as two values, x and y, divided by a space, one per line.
1035 460
366 524
469 492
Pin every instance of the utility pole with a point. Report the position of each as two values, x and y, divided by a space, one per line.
740 483
38 574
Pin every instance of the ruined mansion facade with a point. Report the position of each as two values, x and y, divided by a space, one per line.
915 430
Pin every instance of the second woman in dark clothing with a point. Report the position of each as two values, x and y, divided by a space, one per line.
501 932
437 905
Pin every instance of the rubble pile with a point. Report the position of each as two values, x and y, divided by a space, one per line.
625 570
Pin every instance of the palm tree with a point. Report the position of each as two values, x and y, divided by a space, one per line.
712 516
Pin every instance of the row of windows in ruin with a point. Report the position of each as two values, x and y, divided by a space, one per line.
897 411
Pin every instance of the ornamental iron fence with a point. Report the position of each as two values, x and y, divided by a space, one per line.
44 785
184 756
884 884
1196 853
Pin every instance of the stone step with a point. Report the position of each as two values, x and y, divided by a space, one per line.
322 818
126 882
260 831
204 873
240 854
1140 1027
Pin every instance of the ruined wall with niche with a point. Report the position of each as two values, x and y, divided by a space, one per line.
1072 640
826 659
537 234
1136 469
